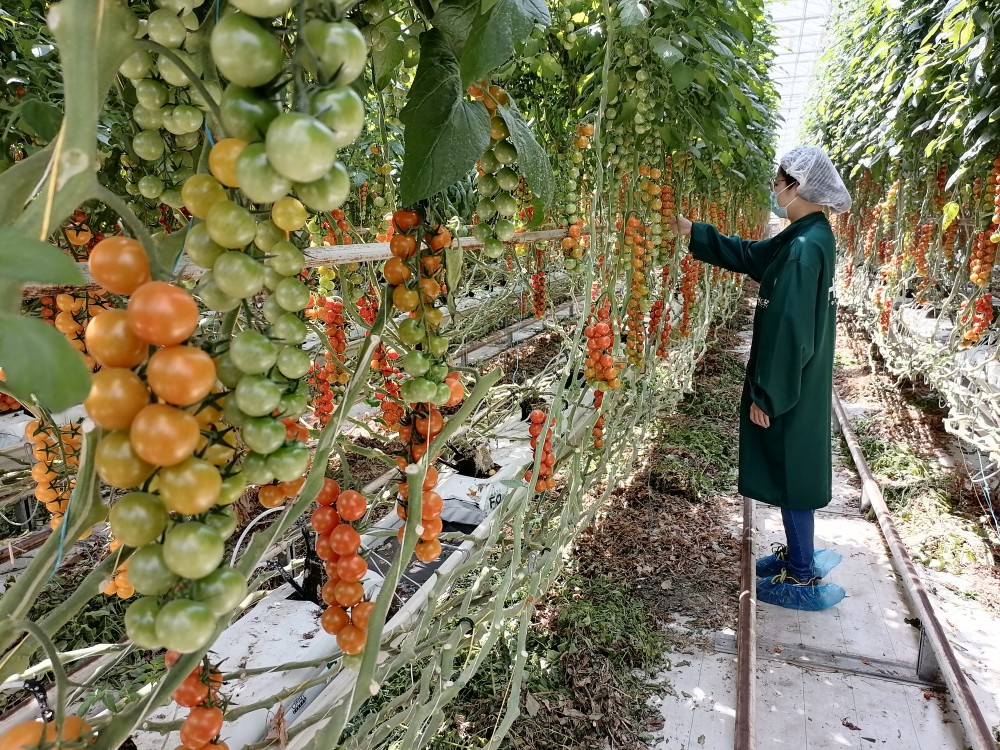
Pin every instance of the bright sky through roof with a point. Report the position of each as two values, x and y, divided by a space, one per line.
800 27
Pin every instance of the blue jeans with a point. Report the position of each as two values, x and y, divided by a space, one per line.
799 529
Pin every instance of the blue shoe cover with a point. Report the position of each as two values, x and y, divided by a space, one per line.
824 560
784 591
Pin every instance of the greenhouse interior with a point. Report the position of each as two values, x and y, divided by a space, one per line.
582 374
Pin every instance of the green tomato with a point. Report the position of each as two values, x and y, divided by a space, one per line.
437 373
246 114
227 372
238 275
505 152
172 74
487 185
438 345
505 230
493 248
292 294
186 119
150 186
263 435
289 463
188 141
212 297
185 626
147 119
285 258
340 109
415 363
272 278
148 572
485 209
258 179
190 487
138 518
200 192
164 27
418 390
293 363
272 311
221 591
338 49
140 622
489 163
200 247
411 331
289 329
328 192
233 414
232 489
293 405
442 394
262 8
148 145
300 147
223 520
508 179
244 51
192 550
150 94
255 469
257 395
506 205
230 225
268 235
482 231
137 65
252 352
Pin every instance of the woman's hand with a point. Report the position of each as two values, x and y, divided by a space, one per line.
680 225
758 417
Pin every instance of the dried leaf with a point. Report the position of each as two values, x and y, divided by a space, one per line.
279 728
666 584
531 705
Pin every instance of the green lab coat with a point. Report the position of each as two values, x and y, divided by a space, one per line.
790 371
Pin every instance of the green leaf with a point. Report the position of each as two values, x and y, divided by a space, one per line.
29 260
948 214
668 53
455 19
39 363
443 133
41 118
385 62
495 32
532 161
631 13
682 76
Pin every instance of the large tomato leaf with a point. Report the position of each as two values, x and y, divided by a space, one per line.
631 13
39 363
29 260
532 161
443 133
455 19
495 32
385 61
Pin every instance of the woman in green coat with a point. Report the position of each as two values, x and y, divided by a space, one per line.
785 413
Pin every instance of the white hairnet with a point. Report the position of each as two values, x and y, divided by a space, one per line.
817 177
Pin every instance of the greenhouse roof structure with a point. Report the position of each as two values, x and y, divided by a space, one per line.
800 28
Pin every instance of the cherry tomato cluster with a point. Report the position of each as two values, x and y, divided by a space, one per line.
574 245
78 235
942 181
982 259
7 403
368 305
119 585
338 544
660 314
70 314
544 480
885 308
200 692
689 291
177 524
388 396
948 239
978 316
25 735
329 378
57 451
994 231
428 546
600 368
538 285
922 237
639 248
668 209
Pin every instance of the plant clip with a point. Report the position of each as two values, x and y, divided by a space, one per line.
472 625
37 690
